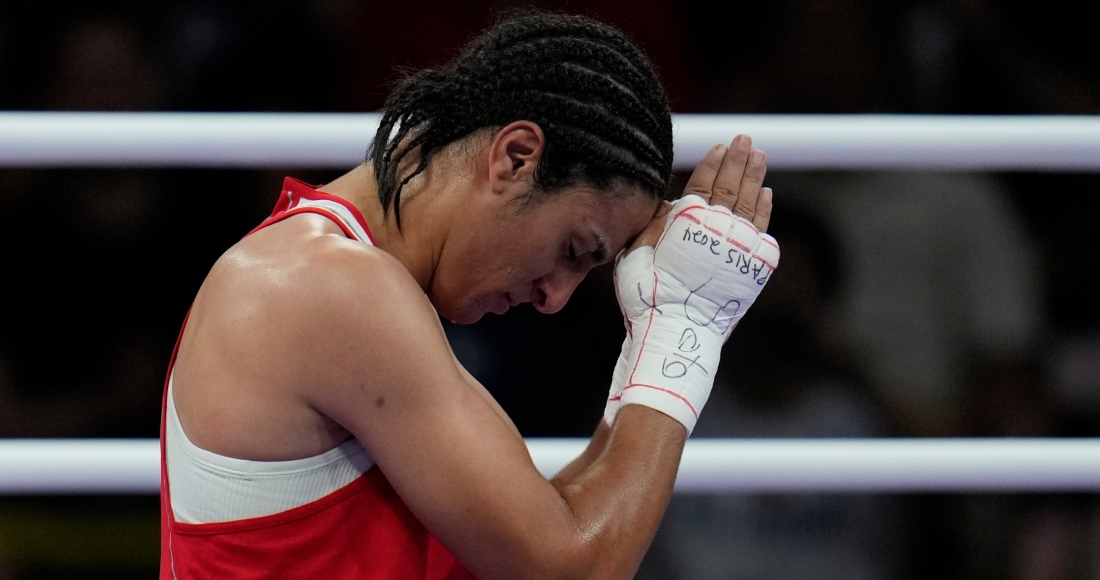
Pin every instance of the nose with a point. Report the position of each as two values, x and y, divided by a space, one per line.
553 290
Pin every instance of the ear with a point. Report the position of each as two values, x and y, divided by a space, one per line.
514 154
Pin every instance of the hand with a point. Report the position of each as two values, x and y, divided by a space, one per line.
688 279
732 177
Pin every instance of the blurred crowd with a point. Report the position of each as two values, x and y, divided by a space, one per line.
907 304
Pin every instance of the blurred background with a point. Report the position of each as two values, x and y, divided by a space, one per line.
909 304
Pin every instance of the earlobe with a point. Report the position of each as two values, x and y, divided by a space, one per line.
514 154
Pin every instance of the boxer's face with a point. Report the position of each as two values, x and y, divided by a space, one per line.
536 249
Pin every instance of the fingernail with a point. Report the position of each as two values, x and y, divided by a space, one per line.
767 193
742 142
757 157
721 150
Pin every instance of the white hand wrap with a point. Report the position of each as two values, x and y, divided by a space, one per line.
681 300
619 376
618 381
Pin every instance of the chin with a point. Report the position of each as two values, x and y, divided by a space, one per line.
468 319
461 315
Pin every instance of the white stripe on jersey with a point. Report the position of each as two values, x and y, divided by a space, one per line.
337 209
206 487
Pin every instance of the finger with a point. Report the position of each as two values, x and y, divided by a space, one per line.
763 213
702 179
753 180
728 181
652 231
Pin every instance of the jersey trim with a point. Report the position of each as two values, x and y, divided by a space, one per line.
283 517
298 197
212 488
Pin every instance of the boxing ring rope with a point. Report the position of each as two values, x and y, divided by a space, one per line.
255 140
82 466
260 140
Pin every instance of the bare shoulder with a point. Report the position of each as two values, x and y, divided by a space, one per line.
358 330
382 341
286 318
306 265
326 292
360 290
350 273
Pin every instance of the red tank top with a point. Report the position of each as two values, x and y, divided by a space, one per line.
362 530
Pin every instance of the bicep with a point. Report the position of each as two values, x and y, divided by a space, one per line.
461 467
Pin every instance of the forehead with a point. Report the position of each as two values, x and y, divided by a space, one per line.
616 213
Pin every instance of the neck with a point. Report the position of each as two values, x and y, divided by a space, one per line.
418 243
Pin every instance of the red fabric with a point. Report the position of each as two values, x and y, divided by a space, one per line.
282 207
360 531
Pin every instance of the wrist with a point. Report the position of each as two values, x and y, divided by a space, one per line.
672 365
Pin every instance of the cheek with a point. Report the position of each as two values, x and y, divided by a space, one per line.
523 257
517 268
495 269
507 256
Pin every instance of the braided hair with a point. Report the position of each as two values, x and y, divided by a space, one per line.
595 95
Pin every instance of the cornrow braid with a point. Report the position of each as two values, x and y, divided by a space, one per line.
595 95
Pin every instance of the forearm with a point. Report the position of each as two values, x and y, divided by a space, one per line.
706 275
618 500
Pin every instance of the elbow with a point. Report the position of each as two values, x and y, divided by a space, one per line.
575 558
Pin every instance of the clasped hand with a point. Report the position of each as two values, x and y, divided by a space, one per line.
688 279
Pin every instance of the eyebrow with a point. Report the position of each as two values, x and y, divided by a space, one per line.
600 253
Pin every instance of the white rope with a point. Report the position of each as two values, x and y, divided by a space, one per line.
260 140
79 466
708 465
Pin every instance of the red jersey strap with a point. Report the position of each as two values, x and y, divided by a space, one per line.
299 197
167 520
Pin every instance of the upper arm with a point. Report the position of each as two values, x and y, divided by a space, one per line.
392 381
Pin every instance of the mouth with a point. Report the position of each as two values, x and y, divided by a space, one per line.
507 300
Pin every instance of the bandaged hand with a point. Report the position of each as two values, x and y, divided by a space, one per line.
683 296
